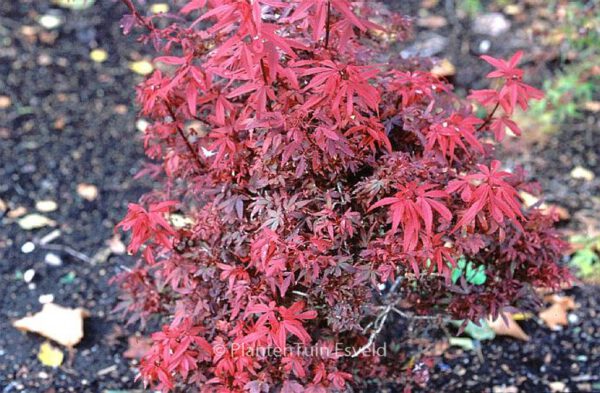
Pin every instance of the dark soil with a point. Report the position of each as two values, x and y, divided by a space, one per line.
64 127
551 361
72 121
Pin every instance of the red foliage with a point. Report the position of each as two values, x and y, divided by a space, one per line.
308 170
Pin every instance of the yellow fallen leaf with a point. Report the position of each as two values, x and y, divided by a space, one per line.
512 329
159 8
50 356
35 221
142 67
444 68
98 55
521 316
60 324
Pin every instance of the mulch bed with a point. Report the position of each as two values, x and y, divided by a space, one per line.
71 121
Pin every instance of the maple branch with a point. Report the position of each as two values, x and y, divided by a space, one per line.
263 68
328 24
184 137
489 117
137 15
379 322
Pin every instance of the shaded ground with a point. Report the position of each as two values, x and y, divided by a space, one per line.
71 121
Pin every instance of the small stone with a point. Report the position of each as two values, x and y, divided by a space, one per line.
46 298
53 259
505 389
43 375
484 46
582 173
35 221
44 60
432 22
557 386
50 21
121 109
492 24
89 192
28 275
513 9
141 125
5 102
427 45
27 247
76 5
46 206
592 106
573 318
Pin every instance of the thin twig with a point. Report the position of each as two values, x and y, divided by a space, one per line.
489 117
71 251
328 27
381 318
184 137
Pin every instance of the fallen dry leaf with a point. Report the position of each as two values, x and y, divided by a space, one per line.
444 69
49 355
98 55
592 106
554 316
568 302
557 314
35 221
142 67
138 347
530 200
512 329
16 212
89 192
60 324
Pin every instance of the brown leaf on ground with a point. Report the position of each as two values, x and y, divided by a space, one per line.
512 329
138 347
557 314
60 324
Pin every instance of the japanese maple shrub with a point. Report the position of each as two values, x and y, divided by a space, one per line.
302 170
